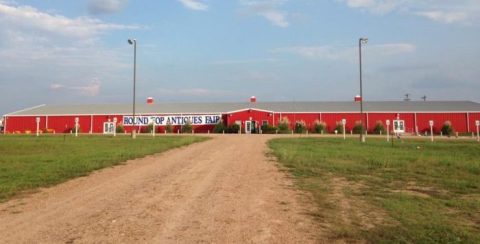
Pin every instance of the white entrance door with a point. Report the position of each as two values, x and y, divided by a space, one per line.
248 127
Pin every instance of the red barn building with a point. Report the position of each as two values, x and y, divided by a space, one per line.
250 116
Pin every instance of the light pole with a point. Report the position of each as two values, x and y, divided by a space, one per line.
134 43
360 42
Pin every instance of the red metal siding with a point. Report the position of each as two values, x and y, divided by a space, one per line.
458 120
64 124
22 124
250 114
373 118
331 119
472 118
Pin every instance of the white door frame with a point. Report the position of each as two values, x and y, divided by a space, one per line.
248 127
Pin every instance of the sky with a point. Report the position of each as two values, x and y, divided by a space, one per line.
76 52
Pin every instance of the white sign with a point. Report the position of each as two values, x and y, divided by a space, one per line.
37 119
115 120
387 122
76 119
173 120
108 128
430 122
399 126
344 121
477 122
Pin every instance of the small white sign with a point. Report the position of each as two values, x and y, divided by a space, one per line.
76 119
430 122
344 121
108 128
115 120
37 119
387 122
477 122
399 126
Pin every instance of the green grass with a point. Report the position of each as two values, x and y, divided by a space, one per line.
28 162
429 192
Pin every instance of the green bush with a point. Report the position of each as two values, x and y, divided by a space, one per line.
119 128
447 128
149 128
300 127
79 129
269 129
233 128
219 128
379 128
358 128
339 127
319 127
187 127
169 128
284 126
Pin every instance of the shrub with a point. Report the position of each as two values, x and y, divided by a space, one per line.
379 128
300 127
120 128
233 128
78 127
358 128
447 128
269 129
284 126
169 128
219 128
339 127
319 127
149 128
187 127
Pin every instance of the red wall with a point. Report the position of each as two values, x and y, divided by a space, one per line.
63 124
249 114
458 120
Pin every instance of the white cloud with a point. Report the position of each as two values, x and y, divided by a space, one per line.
445 17
196 92
91 89
194 5
269 9
459 11
346 53
106 6
42 47
28 19
375 6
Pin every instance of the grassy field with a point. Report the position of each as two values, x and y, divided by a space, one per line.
28 162
412 192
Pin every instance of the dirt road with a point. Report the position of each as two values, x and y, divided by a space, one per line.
224 190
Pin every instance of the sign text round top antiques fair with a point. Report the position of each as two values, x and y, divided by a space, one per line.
172 120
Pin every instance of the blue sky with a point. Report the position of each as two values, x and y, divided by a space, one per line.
76 52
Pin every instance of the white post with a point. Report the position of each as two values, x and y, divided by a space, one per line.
38 125
344 121
388 129
153 129
477 123
431 130
115 126
76 126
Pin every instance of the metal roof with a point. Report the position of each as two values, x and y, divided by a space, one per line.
278 107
